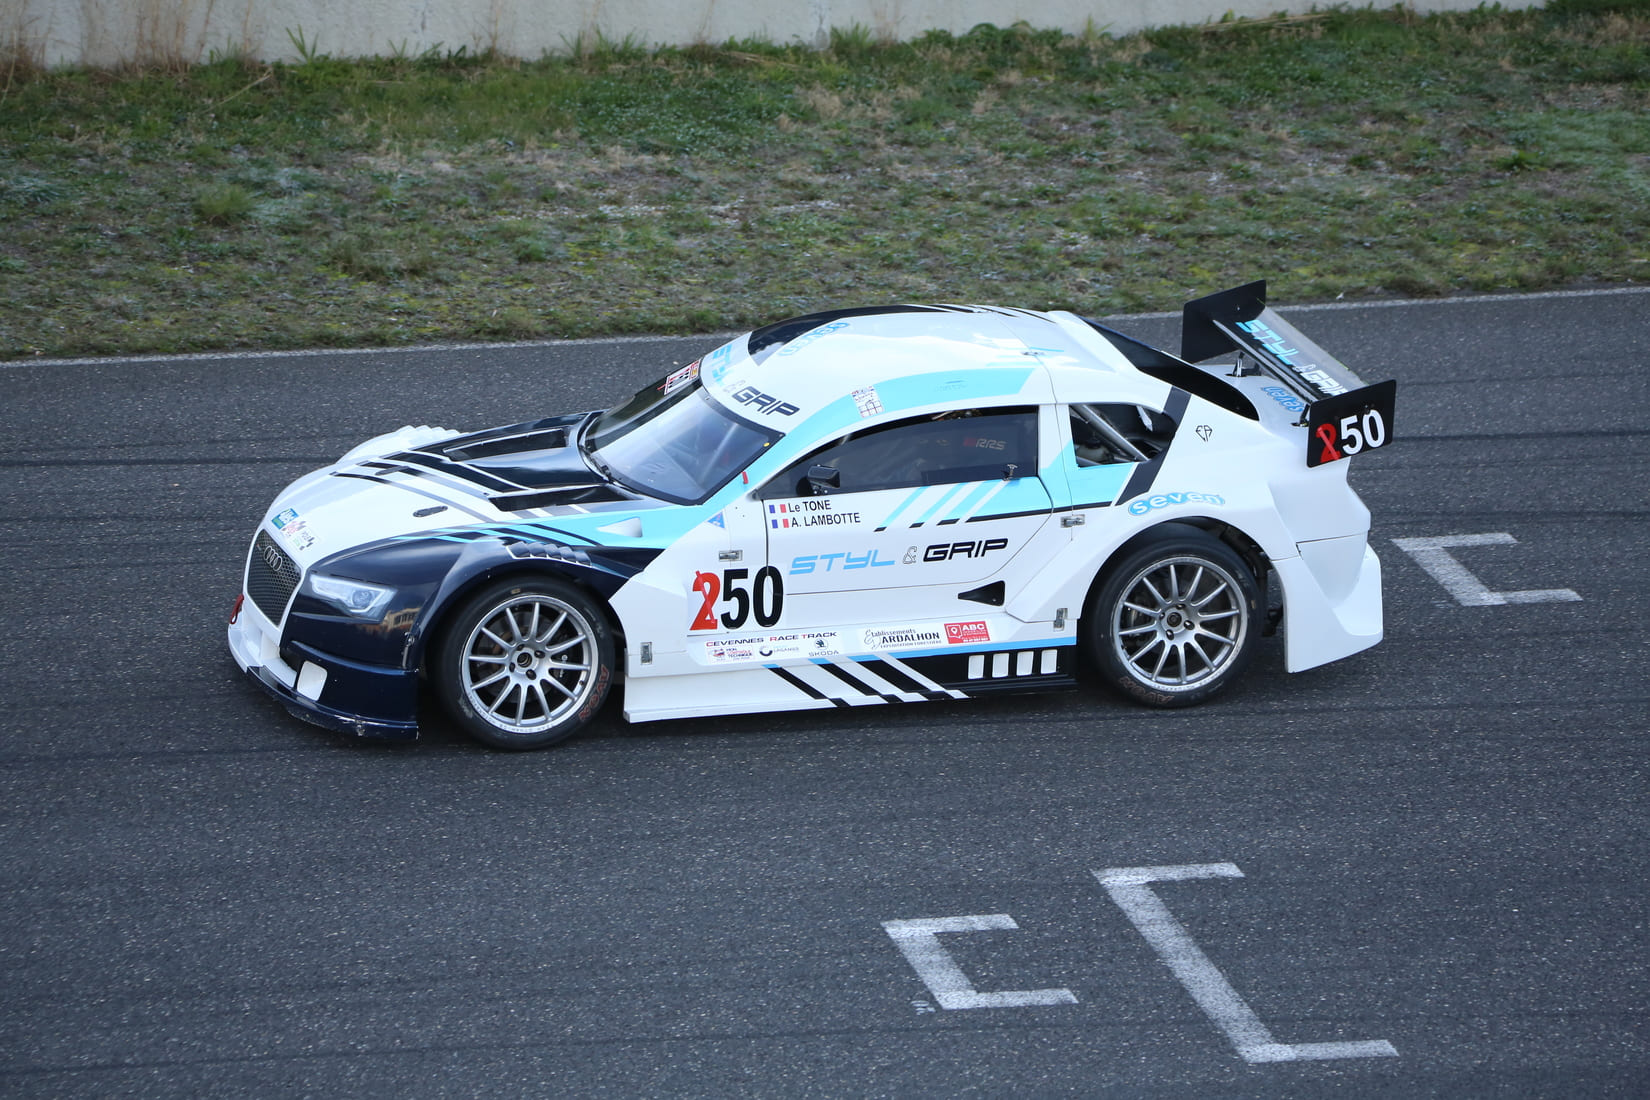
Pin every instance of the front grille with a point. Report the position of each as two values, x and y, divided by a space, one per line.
271 575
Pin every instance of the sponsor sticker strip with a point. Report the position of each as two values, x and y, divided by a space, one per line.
751 649
294 529
867 401
825 644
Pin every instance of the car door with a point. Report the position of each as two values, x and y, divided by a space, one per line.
900 521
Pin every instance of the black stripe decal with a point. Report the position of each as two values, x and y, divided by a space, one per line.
444 465
1012 515
454 484
897 678
859 686
1146 473
448 501
804 687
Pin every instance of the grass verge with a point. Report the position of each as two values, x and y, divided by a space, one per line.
618 190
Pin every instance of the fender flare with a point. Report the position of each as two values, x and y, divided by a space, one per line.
596 570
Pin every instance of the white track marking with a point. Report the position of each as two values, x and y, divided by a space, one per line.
299 353
918 941
1128 887
1466 300
1431 554
1397 303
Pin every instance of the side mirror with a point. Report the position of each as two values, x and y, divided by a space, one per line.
823 479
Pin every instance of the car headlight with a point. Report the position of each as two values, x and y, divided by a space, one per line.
353 598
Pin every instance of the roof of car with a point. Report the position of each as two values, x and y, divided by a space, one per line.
856 364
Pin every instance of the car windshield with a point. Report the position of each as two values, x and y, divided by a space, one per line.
671 440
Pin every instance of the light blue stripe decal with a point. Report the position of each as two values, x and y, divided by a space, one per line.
1023 494
940 503
1098 484
985 489
660 526
915 493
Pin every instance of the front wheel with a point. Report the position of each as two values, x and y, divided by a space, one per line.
525 664
1175 618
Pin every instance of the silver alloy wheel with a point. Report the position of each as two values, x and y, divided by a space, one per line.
529 663
1179 622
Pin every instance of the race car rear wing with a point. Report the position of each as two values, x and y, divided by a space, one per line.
1342 415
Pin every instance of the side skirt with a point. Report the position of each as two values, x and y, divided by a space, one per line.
835 682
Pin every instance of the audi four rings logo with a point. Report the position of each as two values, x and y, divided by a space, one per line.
273 557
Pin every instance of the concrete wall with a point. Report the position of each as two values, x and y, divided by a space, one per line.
113 32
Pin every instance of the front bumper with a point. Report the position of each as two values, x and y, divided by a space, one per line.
326 690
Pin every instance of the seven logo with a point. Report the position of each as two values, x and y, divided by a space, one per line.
1285 398
1164 500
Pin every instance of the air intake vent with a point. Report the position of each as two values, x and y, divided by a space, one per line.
271 577
552 439
987 594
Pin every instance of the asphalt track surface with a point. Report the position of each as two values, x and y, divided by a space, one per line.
1441 842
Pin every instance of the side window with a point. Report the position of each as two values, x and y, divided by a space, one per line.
1106 433
972 445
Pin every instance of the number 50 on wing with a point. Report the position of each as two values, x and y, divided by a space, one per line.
1350 423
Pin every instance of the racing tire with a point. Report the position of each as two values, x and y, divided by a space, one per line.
525 663
1175 618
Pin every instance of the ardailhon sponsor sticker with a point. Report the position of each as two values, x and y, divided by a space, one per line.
902 637
963 633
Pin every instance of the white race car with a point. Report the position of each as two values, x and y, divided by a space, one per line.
863 506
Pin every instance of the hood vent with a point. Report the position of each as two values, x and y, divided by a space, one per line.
553 498
547 440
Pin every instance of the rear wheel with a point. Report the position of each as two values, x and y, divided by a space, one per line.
1175 618
525 664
